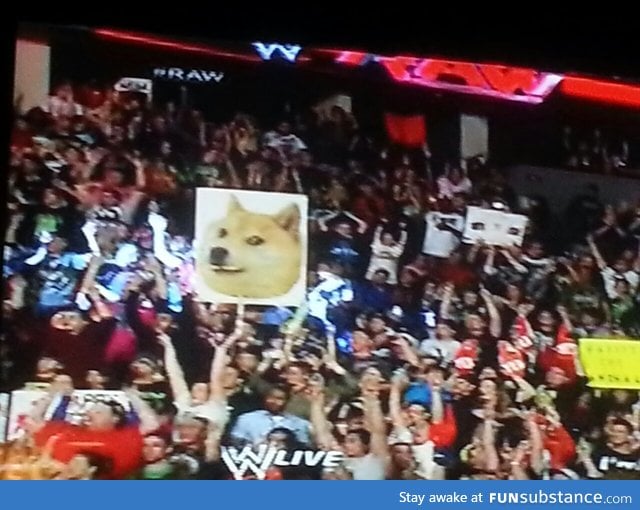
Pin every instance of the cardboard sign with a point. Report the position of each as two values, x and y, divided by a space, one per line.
251 247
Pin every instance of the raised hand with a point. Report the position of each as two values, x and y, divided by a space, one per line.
485 294
399 379
157 222
164 340
520 453
335 367
525 309
315 388
449 288
90 228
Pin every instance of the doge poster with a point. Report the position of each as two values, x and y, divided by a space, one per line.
250 246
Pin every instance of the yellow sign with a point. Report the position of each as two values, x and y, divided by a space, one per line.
611 363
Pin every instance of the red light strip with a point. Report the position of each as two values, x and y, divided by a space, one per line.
164 43
601 91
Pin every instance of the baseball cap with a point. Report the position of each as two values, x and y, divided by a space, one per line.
418 393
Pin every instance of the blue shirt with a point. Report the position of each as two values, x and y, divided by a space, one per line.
276 316
370 298
342 251
58 278
254 427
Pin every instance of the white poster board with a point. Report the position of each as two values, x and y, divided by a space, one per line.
140 85
4 416
439 242
22 402
474 136
250 246
82 400
494 227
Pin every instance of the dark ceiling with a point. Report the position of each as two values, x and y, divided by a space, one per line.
544 40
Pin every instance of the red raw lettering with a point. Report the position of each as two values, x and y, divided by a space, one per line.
434 70
510 79
398 67
352 58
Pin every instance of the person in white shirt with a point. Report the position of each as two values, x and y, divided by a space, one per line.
444 346
365 449
202 403
385 253
62 104
283 140
620 269
331 291
452 182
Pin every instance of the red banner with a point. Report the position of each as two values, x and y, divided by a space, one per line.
410 131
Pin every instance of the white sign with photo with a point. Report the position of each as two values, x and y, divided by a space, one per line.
140 85
438 240
494 227
82 400
22 402
250 246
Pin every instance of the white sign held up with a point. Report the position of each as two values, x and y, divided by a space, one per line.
494 227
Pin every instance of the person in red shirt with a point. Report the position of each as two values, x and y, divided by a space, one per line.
368 205
106 432
457 271
21 135
558 442
436 424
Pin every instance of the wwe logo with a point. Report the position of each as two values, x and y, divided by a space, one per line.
287 51
258 462
248 460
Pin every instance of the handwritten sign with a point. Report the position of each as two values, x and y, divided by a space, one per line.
611 363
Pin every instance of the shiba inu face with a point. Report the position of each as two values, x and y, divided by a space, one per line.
251 255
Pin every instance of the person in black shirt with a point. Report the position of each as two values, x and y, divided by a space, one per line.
619 457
